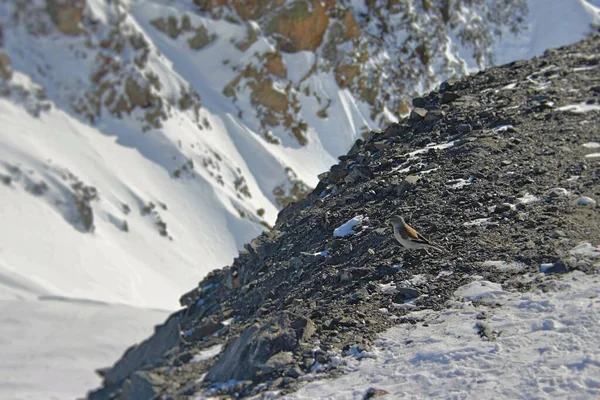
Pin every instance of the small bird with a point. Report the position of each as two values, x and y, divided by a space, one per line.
410 238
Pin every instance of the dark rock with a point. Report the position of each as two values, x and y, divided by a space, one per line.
434 115
277 361
502 208
142 385
356 147
207 327
559 267
166 336
359 173
337 173
448 97
406 293
304 328
374 392
294 372
247 354
450 84
464 128
418 114
419 102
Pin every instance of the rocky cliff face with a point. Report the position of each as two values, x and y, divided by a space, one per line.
380 51
499 168
383 52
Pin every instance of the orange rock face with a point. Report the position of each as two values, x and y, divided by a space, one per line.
300 27
247 9
352 29
67 15
345 74
265 95
5 67
275 65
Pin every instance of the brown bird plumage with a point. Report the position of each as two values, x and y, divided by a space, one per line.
408 237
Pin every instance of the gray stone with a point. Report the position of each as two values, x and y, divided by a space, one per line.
434 115
418 114
374 392
464 128
247 354
585 201
165 337
304 328
557 193
337 173
142 385
358 174
448 97
406 293
294 372
450 84
559 267
278 361
419 102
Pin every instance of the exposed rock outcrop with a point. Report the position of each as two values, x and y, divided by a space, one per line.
299 27
67 15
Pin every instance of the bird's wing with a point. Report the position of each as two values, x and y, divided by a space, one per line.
415 236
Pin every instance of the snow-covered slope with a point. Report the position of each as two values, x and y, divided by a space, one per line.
51 346
544 344
138 153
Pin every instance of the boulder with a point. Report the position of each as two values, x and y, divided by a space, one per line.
249 352
67 15
166 336
299 27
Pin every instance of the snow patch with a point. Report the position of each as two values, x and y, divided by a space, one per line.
479 289
504 265
586 250
580 108
207 354
347 228
459 183
478 222
591 145
547 347
528 198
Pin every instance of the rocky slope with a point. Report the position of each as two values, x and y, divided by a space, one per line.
502 168
190 124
